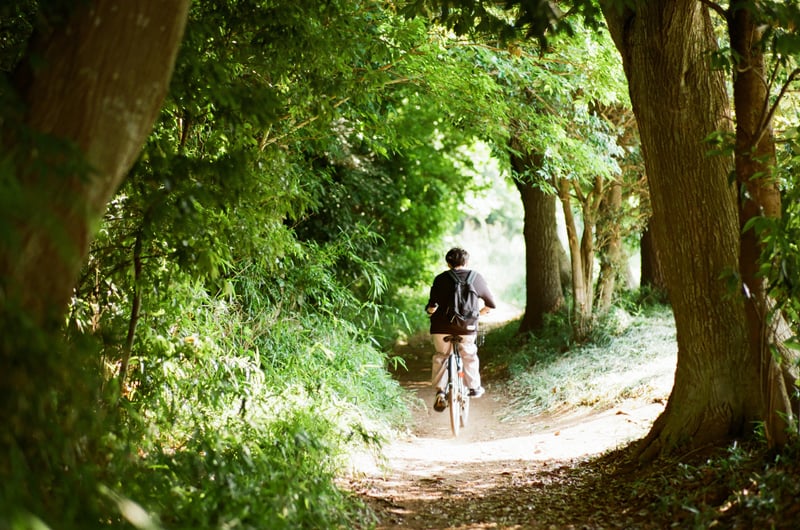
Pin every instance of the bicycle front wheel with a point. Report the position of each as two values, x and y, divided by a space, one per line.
464 401
454 396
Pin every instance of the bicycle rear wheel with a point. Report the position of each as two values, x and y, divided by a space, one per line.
454 395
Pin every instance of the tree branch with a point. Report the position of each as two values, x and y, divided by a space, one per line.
715 7
768 118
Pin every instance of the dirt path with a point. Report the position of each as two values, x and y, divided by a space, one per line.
499 473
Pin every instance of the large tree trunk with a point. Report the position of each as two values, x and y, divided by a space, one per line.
94 87
98 84
678 101
755 159
543 292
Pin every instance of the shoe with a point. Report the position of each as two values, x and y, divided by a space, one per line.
440 404
476 392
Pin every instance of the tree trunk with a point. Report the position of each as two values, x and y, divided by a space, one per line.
94 87
98 84
609 246
581 252
755 159
133 320
543 293
678 101
652 276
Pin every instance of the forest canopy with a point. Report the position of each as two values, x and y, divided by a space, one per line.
216 225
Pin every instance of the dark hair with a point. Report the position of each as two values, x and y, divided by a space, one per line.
457 257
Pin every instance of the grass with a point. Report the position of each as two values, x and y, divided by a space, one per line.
630 357
236 420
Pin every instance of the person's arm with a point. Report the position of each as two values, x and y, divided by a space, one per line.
433 298
485 294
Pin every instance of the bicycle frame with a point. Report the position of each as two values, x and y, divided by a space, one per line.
456 390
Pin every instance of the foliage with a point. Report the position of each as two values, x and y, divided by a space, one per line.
535 19
233 417
241 333
568 107
249 254
257 415
279 224
15 29
780 264
57 482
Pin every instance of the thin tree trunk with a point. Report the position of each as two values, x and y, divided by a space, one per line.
755 159
581 291
133 321
609 246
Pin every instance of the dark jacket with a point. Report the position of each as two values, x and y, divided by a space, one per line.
442 292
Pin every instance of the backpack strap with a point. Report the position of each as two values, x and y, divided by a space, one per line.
457 279
471 277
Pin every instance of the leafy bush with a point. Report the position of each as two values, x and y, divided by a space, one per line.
246 473
235 420
741 486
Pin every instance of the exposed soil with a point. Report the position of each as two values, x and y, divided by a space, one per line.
555 471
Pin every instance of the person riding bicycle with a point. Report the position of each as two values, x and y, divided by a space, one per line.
441 295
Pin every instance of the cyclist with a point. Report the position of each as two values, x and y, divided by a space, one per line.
441 295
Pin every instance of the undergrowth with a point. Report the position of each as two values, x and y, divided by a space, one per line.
743 485
230 418
632 355
628 356
244 422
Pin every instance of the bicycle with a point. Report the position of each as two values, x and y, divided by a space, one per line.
456 391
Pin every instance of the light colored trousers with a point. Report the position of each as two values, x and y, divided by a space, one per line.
469 356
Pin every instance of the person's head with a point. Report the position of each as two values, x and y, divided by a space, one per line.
457 257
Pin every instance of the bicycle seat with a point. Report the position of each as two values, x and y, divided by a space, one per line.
453 338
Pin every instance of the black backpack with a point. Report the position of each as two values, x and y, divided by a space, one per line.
465 309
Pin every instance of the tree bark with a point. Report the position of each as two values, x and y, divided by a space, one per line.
92 87
652 276
678 101
609 246
98 85
543 292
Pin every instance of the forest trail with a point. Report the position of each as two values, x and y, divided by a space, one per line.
500 472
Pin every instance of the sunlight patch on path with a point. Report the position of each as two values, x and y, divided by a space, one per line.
573 435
